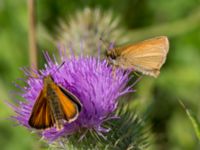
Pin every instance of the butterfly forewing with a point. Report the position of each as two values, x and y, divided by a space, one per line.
146 57
72 97
41 116
68 104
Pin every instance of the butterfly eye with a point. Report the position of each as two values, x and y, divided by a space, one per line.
111 54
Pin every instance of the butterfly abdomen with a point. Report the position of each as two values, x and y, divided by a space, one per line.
55 107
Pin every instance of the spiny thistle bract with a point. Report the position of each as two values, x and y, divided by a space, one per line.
84 29
128 132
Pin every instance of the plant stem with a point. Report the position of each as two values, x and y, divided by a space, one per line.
32 34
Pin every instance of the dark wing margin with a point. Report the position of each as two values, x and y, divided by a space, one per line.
69 103
72 97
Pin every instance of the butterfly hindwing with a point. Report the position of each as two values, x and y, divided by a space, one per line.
69 104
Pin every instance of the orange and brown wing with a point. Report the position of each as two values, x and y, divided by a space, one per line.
41 116
147 56
69 103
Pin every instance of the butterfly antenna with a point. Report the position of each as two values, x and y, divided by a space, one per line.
59 67
104 43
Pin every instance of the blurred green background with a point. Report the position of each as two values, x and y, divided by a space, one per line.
179 78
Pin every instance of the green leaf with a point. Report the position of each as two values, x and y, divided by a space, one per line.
195 122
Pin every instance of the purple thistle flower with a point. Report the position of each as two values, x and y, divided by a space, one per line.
91 80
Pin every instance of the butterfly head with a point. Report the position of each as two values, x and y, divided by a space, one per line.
48 79
111 54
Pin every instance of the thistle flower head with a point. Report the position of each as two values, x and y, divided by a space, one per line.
93 83
87 26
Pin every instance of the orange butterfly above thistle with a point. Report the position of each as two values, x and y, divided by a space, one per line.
146 57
